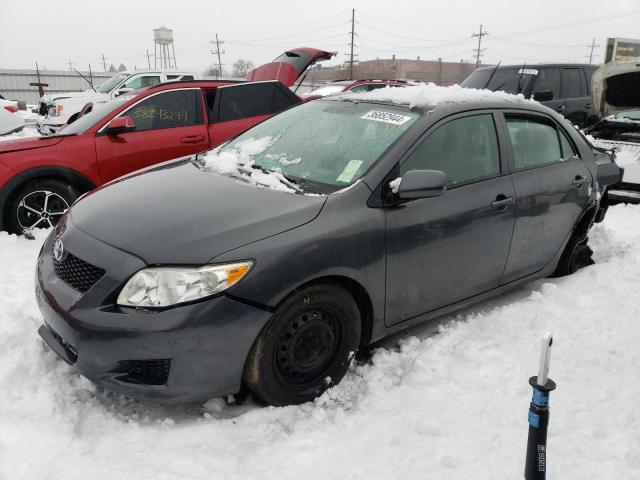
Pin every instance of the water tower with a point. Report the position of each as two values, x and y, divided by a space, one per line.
164 49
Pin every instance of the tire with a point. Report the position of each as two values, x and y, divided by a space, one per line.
306 347
25 210
576 255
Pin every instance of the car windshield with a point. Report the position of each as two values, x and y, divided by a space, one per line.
110 84
327 90
510 80
320 146
631 115
85 122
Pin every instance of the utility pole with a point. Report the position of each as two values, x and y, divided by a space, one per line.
218 52
39 83
104 62
593 46
148 55
353 22
70 63
479 50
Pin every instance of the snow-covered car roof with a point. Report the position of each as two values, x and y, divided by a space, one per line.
431 95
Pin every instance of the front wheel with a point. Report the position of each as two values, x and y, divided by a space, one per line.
39 204
306 346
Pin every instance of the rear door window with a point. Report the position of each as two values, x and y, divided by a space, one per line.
171 109
548 79
252 99
535 142
465 149
571 83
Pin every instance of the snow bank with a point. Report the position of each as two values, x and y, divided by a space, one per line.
237 162
26 132
444 401
431 95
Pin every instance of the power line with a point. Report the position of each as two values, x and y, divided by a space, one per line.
479 50
593 46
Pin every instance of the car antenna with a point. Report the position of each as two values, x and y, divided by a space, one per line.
85 79
524 65
492 74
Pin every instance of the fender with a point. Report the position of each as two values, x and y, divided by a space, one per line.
77 179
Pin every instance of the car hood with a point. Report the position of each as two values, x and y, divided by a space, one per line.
178 213
29 143
53 97
616 87
289 66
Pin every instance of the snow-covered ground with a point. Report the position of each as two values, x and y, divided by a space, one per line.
443 402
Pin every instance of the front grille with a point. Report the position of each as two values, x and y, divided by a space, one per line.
147 372
77 273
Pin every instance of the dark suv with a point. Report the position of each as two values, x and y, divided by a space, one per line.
564 87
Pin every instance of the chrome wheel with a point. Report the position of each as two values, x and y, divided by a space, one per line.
40 209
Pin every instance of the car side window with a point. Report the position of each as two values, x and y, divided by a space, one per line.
535 142
141 82
588 72
548 79
363 87
465 149
568 150
571 83
252 99
171 109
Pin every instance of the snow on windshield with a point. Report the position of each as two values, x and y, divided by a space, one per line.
237 162
431 95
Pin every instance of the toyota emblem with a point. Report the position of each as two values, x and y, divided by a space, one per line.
58 250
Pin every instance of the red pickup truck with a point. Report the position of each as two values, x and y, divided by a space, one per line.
41 177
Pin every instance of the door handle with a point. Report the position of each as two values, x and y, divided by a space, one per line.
579 181
501 202
561 108
192 139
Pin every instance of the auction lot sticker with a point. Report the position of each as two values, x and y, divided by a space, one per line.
386 117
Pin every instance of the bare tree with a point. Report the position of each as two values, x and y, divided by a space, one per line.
214 71
112 69
121 67
241 67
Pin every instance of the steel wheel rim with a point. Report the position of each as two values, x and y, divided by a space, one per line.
307 346
40 209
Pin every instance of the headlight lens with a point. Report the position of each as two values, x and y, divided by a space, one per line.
166 286
55 110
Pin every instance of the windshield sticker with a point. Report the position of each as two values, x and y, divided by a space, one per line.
349 171
528 71
385 117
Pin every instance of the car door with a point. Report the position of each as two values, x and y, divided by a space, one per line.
552 187
548 82
574 95
168 124
444 249
238 107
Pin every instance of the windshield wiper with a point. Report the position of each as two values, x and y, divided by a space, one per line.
289 183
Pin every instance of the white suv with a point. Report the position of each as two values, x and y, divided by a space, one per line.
60 108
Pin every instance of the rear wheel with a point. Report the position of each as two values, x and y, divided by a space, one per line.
39 204
306 346
576 255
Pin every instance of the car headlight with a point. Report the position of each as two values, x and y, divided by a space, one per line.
55 110
166 286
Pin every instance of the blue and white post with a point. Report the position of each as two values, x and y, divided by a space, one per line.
535 467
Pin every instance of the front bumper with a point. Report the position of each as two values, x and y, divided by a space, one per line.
187 353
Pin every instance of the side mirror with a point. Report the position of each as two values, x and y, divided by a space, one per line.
543 95
122 91
120 125
422 184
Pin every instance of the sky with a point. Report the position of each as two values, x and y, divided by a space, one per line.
54 33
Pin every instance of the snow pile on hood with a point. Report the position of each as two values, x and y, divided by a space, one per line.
431 95
237 162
